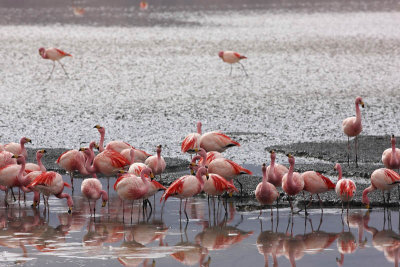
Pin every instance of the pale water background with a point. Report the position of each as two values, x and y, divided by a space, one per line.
148 76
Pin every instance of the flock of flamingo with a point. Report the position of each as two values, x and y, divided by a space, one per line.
210 171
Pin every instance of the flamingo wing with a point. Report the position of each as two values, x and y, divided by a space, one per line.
117 160
327 181
63 53
394 176
226 139
238 169
174 189
46 179
158 185
239 56
190 142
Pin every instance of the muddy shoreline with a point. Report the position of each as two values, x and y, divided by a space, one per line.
321 157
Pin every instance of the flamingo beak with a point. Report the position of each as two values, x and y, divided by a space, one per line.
152 176
69 210
82 149
28 140
104 203
367 206
96 146
43 151
230 194
97 126
362 104
15 156
196 150
191 171
34 204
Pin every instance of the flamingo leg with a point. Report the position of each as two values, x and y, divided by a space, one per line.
243 69
356 148
241 188
12 193
259 214
62 66
348 151
187 218
123 212
230 73
320 203
71 175
51 73
90 208
5 198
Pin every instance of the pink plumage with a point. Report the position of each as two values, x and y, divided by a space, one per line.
275 171
216 141
156 163
266 193
391 156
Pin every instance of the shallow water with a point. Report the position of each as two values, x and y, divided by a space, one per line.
35 237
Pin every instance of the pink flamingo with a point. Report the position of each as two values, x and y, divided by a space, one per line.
266 192
135 167
51 183
54 54
30 167
382 179
185 187
391 158
292 182
210 157
131 187
92 189
6 158
275 172
216 141
316 183
352 127
120 147
191 143
156 163
18 149
345 188
232 57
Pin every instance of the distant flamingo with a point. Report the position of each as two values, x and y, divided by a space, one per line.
266 193
352 127
54 54
143 5
51 183
156 163
382 179
216 141
275 171
391 158
345 188
292 182
191 143
18 149
120 147
92 189
30 167
185 187
316 183
6 158
232 57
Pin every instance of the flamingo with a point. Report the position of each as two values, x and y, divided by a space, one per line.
143 5
266 193
352 127
275 172
92 189
131 187
51 183
391 158
18 149
210 157
30 167
232 57
316 183
292 182
382 179
6 158
216 141
120 146
54 54
345 188
185 187
156 163
191 143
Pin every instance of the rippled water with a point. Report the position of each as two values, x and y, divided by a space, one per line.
35 237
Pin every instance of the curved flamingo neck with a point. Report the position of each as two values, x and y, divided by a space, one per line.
199 128
143 176
104 195
21 179
101 142
365 193
90 168
200 172
23 148
358 115
39 161
70 202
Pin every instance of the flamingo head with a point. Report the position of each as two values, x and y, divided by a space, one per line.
147 172
273 154
85 150
159 147
199 127
264 168
20 158
25 140
359 101
104 197
337 166
393 140
290 159
100 129
221 54
42 51
93 145
40 153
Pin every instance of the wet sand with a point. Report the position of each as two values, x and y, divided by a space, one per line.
320 157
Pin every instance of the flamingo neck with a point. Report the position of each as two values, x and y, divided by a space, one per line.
23 149
90 168
144 178
358 115
394 159
199 128
265 178
39 161
101 142
20 178
132 154
365 193
339 169
199 175
159 154
70 202
290 173
104 195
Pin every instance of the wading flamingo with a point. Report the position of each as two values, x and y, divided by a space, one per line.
18 149
54 54
30 167
391 158
191 143
352 127
92 189
266 193
51 183
316 183
292 182
120 147
345 188
232 57
216 141
382 179
185 187
275 171
156 163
